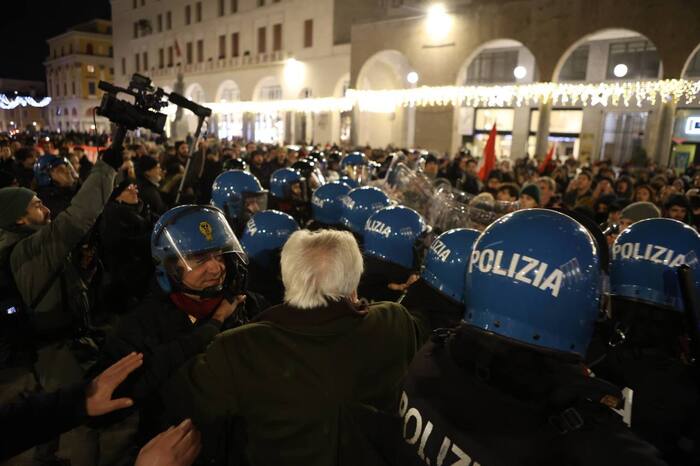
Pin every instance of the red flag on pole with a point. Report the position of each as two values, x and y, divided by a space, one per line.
547 159
489 155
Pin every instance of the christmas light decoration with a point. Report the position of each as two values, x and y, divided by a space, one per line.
8 104
627 93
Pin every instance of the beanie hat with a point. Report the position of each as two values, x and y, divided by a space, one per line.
121 187
13 204
533 191
640 211
145 163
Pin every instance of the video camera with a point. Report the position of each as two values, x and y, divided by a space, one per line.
144 112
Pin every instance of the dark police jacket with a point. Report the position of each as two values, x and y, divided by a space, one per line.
458 407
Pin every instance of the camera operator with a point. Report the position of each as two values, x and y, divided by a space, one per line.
37 267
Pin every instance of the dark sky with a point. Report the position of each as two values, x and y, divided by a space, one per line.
27 24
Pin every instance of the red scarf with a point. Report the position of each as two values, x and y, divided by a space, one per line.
197 309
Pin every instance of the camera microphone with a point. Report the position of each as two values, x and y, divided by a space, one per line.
194 107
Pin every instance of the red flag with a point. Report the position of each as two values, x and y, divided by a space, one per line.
547 159
177 48
489 155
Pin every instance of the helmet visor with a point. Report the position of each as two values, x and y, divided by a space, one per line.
213 238
254 203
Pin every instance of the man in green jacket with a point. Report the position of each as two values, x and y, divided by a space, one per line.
36 260
301 376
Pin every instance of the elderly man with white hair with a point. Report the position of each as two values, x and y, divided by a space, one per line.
299 374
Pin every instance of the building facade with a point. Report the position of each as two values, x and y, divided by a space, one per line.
21 117
78 59
492 42
217 51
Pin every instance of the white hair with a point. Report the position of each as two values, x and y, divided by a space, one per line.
320 266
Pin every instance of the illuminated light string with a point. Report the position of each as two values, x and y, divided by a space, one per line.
629 93
8 104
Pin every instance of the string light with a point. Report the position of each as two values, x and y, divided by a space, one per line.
628 93
8 104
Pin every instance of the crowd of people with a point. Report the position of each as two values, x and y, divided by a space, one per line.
242 303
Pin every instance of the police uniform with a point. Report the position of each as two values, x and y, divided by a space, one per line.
508 411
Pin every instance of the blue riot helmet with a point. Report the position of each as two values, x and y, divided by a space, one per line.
286 184
359 205
43 167
445 264
645 259
326 202
265 234
349 181
534 278
239 195
187 237
391 235
311 174
356 166
236 164
320 159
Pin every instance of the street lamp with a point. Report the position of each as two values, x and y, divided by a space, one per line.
620 70
519 72
412 77
439 21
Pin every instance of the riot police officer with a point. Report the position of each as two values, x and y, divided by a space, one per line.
648 335
289 193
507 386
239 195
201 276
440 290
393 238
263 239
358 206
327 205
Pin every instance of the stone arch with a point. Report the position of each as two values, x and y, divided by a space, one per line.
524 58
195 92
228 91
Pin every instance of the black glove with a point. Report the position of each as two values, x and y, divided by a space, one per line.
113 158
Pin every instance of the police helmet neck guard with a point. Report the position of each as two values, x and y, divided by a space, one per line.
189 231
391 235
445 265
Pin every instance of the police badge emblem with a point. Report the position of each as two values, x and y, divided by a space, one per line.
206 231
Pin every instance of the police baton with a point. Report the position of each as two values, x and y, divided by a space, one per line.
690 306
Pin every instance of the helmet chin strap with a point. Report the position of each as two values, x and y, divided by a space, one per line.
206 293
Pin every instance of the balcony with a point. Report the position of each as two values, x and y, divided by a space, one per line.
223 64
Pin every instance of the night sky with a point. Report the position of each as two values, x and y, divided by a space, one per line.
27 24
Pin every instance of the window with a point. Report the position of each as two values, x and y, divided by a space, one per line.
70 48
277 38
234 6
222 47
493 67
111 71
65 89
123 65
222 8
639 56
91 87
111 51
170 55
72 87
188 15
145 61
189 53
58 90
135 4
262 36
261 3
169 20
200 51
308 33
143 2
137 61
234 45
88 49
198 12
136 30
161 58
271 93
575 67
90 69
159 23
